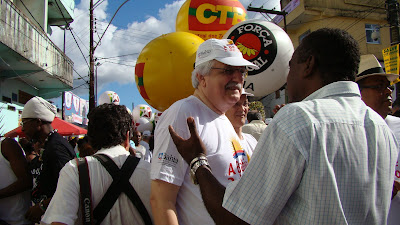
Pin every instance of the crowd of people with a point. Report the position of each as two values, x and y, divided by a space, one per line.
328 156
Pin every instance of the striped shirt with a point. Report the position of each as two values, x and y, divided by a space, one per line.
326 160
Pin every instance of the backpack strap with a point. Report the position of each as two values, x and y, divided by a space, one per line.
120 184
131 193
86 191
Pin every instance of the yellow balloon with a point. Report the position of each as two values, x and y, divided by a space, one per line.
163 69
209 18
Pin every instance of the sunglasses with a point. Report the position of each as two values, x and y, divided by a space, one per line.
379 87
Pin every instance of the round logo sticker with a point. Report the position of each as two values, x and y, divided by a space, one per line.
257 44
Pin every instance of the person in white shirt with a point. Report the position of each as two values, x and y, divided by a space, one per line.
326 158
109 130
237 116
376 92
256 125
218 79
145 142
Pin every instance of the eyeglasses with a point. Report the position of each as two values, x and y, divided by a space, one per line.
231 70
379 87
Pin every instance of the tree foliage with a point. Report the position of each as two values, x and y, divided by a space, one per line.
257 105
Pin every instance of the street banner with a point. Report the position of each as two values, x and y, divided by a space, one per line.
391 60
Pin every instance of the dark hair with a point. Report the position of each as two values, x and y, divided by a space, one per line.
337 54
82 141
254 115
108 124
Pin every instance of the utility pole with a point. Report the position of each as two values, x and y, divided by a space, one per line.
392 11
282 13
92 103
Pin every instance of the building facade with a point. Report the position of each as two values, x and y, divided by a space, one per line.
30 63
365 20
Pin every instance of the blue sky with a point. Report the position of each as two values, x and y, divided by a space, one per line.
136 24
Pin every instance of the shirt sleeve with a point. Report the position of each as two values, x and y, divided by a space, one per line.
65 202
270 179
167 164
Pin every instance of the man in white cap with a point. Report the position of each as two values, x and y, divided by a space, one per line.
326 158
145 142
237 115
376 92
218 78
37 116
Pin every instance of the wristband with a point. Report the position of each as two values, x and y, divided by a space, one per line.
196 159
196 165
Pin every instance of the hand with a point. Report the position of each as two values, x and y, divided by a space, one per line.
192 147
277 108
34 213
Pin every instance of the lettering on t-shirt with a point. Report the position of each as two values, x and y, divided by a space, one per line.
167 159
242 160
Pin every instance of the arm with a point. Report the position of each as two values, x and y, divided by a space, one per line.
211 190
163 199
13 153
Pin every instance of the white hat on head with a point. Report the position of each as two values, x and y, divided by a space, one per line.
370 66
38 108
146 133
246 93
222 50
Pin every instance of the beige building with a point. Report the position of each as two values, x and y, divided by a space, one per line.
365 20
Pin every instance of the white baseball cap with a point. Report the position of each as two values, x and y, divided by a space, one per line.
222 50
146 133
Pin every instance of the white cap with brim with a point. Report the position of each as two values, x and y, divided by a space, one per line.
38 108
370 66
222 50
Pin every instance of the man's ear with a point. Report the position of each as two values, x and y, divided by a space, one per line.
309 66
201 79
126 142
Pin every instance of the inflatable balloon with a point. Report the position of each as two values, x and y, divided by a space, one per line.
157 117
268 46
108 97
209 18
163 69
143 124
141 111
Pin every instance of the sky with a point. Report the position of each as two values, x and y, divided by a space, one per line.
135 24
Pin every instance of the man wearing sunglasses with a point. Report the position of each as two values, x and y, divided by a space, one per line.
218 78
37 116
376 91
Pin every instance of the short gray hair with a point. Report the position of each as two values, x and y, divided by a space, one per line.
202 69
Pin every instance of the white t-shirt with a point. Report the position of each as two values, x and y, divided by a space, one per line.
248 143
225 154
65 202
140 151
148 155
12 208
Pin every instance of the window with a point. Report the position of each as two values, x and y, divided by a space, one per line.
372 32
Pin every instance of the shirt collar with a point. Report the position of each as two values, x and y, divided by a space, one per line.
343 88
